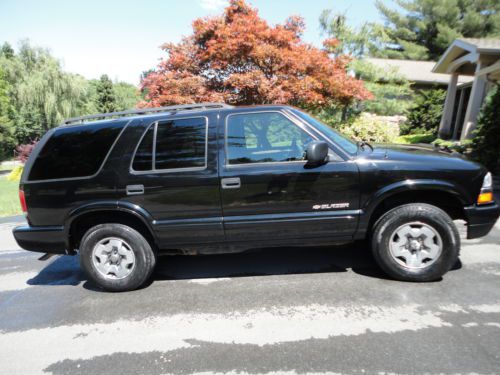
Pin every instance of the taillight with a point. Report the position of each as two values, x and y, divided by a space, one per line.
22 199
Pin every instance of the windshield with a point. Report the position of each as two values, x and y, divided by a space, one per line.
345 143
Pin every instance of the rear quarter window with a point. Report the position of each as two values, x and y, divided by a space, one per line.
75 151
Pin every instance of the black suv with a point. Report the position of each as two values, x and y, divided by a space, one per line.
212 178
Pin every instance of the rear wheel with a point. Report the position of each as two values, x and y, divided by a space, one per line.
116 257
415 242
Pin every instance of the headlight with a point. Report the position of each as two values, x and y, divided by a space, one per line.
487 182
486 194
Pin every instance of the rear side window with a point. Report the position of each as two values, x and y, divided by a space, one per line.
173 144
74 152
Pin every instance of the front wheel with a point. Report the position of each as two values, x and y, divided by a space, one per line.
415 242
116 257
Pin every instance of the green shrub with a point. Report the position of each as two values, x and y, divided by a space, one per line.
415 138
458 146
425 115
369 128
485 148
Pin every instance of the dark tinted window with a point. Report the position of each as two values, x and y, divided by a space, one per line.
76 151
264 137
181 143
143 160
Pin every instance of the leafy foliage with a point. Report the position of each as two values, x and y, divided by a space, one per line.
24 151
425 115
369 128
485 143
238 58
392 94
415 138
423 29
7 141
106 100
36 95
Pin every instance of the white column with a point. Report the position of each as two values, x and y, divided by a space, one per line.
474 105
445 124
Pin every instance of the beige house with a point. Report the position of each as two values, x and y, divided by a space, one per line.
476 58
419 73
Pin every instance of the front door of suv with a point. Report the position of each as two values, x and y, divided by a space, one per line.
270 193
173 176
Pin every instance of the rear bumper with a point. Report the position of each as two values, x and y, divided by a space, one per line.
480 219
41 239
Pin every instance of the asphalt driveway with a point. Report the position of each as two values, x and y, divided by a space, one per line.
281 311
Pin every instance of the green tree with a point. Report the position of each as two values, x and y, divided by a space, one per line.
425 115
42 93
7 142
350 40
485 143
106 99
127 95
392 94
423 29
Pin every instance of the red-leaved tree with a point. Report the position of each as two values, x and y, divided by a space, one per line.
238 58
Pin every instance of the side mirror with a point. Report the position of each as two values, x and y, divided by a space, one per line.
317 153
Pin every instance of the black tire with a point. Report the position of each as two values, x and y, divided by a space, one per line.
144 262
427 214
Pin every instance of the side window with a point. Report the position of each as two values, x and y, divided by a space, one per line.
264 137
74 151
178 144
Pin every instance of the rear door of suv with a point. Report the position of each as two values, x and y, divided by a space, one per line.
173 176
268 190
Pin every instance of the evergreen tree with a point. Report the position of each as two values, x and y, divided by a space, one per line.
106 98
423 29
485 143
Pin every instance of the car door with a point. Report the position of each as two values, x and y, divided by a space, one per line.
268 190
173 176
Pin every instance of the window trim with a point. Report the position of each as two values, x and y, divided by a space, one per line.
101 166
168 170
284 114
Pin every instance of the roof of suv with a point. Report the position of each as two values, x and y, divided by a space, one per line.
151 113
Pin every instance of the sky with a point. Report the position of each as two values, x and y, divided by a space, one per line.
121 38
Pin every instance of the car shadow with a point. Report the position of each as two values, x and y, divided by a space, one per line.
65 270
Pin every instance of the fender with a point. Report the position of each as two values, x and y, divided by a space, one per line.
110 205
403 186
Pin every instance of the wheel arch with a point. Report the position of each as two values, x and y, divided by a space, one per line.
85 217
441 194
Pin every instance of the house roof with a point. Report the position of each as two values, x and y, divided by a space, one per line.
416 71
491 45
463 54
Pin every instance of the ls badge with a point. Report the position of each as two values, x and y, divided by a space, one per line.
330 206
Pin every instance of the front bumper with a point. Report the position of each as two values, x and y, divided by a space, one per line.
480 219
41 239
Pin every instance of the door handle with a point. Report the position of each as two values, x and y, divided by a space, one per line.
135 189
231 183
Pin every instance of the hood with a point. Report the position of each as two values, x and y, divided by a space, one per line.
411 152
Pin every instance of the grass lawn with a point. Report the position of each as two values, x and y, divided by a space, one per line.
9 198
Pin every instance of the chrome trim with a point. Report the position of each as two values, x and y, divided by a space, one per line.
169 170
281 112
